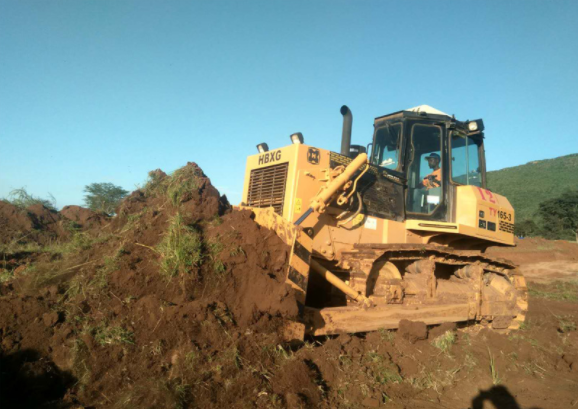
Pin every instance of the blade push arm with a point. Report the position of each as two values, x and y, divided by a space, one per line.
325 196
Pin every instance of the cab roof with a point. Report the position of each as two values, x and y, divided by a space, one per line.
420 110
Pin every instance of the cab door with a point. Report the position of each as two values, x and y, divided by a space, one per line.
427 170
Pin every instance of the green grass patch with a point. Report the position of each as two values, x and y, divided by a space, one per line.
445 341
112 335
180 249
559 291
496 380
383 370
173 186
215 247
566 323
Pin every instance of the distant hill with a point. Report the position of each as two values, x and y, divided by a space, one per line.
526 186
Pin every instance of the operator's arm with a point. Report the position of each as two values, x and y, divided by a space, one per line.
432 180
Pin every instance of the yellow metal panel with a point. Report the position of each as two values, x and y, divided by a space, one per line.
484 214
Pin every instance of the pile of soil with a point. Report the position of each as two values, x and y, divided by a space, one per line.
36 224
102 322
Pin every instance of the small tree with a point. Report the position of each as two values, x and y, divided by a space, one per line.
103 197
559 216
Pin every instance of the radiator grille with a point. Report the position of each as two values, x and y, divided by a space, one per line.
506 227
267 187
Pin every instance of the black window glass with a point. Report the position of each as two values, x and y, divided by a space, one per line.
387 146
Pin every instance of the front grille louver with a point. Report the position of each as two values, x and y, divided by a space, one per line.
267 187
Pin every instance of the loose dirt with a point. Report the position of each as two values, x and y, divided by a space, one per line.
179 302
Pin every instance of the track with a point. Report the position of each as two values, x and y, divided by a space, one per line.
426 283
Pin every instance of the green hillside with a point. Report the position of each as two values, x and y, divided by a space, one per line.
526 186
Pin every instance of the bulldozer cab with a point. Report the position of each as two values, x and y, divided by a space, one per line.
434 154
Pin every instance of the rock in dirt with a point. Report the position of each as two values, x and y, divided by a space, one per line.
413 331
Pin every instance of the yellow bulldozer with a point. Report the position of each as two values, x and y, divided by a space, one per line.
394 230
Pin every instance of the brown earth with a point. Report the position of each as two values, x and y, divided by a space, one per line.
542 260
91 318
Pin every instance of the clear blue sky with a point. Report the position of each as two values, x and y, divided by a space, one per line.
104 91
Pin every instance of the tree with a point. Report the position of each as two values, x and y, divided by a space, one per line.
21 198
526 228
103 197
559 216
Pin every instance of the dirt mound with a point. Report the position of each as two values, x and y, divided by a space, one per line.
84 218
176 289
179 301
35 224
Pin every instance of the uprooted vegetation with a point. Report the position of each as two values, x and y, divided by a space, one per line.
179 301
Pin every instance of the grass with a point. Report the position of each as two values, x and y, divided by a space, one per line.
435 379
445 341
80 366
496 380
215 247
561 291
112 335
566 323
174 186
387 335
470 360
6 275
527 185
384 371
180 249
525 325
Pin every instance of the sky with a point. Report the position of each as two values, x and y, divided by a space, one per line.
107 90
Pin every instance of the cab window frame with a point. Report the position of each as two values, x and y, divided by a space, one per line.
479 140
401 142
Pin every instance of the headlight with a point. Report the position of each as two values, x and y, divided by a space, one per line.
262 147
473 126
297 138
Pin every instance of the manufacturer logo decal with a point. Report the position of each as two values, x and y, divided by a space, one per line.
313 156
269 157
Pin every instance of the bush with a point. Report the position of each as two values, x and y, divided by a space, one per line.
22 199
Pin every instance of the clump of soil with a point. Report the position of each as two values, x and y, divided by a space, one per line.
180 301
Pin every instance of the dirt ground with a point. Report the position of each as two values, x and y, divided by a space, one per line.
179 302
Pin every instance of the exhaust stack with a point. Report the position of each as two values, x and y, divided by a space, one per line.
346 133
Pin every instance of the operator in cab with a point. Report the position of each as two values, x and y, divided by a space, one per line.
434 179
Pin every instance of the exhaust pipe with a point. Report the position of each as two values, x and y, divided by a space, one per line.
346 133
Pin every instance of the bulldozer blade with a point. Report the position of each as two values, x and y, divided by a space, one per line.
339 320
299 242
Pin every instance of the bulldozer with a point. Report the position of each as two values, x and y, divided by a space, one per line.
394 230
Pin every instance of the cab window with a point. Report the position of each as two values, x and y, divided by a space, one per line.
387 146
425 187
465 162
